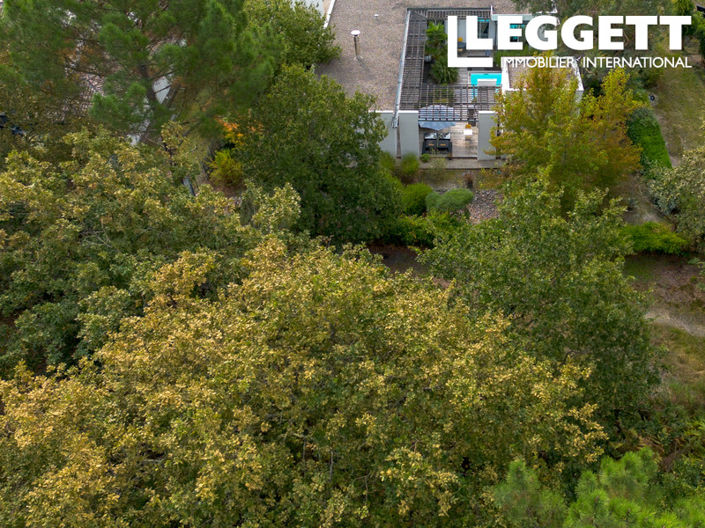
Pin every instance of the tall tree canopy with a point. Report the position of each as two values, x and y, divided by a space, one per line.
322 391
567 8
560 282
681 191
79 239
138 63
298 28
306 132
577 143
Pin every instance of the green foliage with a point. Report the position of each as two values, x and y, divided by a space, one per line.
681 191
653 237
307 133
79 241
420 231
298 30
623 493
525 503
320 391
575 143
413 198
450 201
387 162
202 49
225 169
441 73
436 39
437 48
683 7
410 231
567 8
697 28
409 166
561 278
645 132
425 157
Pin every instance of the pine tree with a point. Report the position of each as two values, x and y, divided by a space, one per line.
137 63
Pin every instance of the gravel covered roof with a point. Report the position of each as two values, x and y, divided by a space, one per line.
381 42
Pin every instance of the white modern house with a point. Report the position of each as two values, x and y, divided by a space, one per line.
391 64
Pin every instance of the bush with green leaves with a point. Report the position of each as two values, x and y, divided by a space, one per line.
421 231
409 166
680 192
225 170
387 162
645 132
437 48
441 73
653 237
450 201
413 198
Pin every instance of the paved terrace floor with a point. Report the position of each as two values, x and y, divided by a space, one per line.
381 41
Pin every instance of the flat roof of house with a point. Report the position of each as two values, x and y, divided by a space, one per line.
381 41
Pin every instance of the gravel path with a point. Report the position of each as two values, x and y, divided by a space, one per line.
484 206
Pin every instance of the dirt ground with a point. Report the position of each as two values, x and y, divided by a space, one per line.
677 300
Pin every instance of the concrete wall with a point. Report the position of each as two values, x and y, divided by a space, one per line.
486 121
409 138
389 144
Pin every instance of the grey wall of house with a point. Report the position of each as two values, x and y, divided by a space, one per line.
485 123
389 143
409 138
405 138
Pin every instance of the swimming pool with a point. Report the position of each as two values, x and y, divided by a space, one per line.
475 77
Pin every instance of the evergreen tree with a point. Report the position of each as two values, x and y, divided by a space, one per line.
137 63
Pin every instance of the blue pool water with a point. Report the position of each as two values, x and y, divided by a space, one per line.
474 77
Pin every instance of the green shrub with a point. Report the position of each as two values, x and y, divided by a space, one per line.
449 202
432 200
410 231
425 158
387 162
436 47
645 132
225 169
441 73
413 198
653 237
409 166
420 231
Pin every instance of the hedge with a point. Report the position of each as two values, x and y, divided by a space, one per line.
645 132
653 237
413 198
449 202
